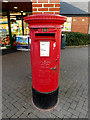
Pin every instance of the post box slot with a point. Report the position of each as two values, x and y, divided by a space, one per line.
45 35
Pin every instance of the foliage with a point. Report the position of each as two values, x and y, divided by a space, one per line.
76 38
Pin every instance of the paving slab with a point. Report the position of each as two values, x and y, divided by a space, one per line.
73 83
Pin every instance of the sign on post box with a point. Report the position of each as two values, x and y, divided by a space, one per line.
45 34
44 48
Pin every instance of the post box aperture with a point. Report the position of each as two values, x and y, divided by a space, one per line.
45 34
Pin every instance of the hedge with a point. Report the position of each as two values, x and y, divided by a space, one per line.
76 38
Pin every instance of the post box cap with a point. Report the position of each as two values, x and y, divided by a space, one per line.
47 19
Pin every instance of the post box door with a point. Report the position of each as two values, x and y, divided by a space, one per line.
45 55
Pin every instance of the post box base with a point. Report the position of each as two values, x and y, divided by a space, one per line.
45 100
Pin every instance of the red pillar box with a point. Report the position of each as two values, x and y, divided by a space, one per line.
45 34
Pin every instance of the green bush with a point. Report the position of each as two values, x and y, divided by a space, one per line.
76 38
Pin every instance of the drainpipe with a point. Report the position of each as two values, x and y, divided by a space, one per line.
9 26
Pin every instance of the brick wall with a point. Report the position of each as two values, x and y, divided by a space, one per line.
46 6
89 20
80 24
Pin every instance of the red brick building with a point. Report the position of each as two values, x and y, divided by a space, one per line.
46 6
78 12
80 24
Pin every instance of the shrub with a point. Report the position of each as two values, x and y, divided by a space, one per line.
76 38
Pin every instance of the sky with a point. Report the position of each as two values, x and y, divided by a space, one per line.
74 0
54 0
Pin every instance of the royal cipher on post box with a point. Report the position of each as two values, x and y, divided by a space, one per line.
45 34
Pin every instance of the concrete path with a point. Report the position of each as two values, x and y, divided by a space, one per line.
73 93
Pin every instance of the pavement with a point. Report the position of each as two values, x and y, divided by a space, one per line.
73 83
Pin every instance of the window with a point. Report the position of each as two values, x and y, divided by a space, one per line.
67 25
